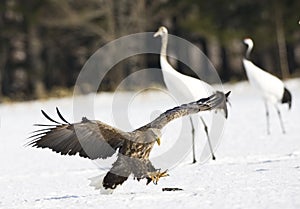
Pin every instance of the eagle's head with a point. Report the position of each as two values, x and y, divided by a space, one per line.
147 136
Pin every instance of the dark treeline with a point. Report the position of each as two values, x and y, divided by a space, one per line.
45 43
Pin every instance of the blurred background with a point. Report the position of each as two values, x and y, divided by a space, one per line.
45 43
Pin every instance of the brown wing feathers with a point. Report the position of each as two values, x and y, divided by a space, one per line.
91 139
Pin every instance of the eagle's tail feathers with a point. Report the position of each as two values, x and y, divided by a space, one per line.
97 183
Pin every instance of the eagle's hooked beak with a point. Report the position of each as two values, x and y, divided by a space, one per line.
158 141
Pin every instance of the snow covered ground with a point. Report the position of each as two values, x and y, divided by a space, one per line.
252 170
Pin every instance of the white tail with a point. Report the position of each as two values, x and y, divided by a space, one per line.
96 182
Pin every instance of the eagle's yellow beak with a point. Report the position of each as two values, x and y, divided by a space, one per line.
158 141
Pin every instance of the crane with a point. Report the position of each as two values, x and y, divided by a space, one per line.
183 87
271 88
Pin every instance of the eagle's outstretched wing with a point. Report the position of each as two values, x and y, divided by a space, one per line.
89 138
216 101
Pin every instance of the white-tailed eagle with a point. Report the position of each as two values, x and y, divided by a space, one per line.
94 139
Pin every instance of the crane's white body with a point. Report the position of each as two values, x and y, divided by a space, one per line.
269 86
183 87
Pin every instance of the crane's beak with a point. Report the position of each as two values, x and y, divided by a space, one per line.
156 34
158 141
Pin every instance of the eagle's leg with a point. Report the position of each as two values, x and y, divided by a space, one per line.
156 175
144 169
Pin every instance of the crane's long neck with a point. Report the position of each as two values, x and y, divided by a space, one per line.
163 50
249 49
167 69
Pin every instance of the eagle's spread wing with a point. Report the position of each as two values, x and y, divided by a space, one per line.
216 101
90 138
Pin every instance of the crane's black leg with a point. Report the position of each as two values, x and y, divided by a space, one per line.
268 118
280 119
208 139
193 140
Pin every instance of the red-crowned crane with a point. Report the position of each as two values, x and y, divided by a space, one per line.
270 87
183 87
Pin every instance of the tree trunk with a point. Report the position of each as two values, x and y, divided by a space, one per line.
281 42
35 63
3 51
225 74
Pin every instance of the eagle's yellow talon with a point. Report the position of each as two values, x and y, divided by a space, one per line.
156 175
